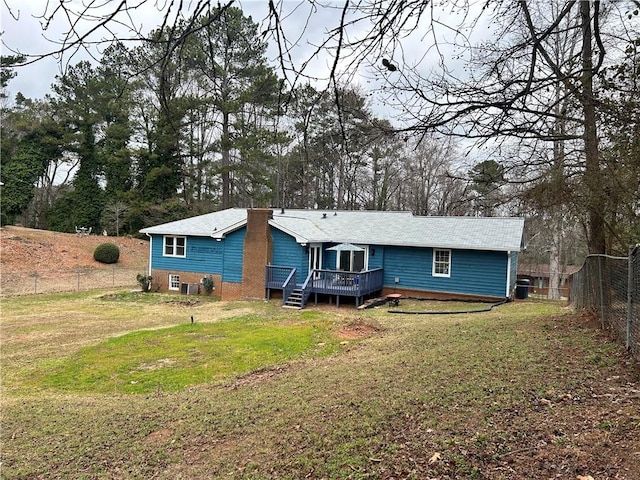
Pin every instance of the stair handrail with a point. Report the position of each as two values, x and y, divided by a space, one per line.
306 287
289 285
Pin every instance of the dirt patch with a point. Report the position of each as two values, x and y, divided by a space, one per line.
157 365
358 329
159 437
27 250
257 376
184 303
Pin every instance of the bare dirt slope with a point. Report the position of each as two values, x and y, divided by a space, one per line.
25 249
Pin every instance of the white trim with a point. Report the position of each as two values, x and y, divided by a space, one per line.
299 238
222 233
433 263
508 274
150 252
169 287
311 247
175 246
365 253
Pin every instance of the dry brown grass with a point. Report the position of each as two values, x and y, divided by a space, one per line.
528 390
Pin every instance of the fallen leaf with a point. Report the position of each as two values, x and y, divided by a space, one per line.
436 456
587 477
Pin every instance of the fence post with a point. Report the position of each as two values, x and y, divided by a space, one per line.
588 300
601 291
630 297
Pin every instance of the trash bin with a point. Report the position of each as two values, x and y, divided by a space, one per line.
522 288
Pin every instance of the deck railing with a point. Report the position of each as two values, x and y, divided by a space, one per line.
331 282
275 276
307 287
353 284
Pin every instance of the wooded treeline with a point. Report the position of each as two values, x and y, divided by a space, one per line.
166 130
141 139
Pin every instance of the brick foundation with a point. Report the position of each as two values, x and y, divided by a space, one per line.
160 281
231 291
407 292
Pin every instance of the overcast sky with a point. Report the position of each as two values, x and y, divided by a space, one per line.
22 32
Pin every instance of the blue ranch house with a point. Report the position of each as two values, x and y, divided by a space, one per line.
304 255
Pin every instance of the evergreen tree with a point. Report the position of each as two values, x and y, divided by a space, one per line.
77 101
229 57
31 140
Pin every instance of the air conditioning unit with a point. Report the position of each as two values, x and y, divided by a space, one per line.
189 288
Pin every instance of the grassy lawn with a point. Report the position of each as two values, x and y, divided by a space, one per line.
100 385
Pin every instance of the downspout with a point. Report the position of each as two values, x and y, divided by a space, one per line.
150 250
508 287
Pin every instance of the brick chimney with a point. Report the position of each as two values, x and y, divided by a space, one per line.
258 252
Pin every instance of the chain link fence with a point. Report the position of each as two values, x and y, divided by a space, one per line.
610 288
49 281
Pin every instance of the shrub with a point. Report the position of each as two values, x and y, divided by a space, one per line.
106 253
207 283
144 281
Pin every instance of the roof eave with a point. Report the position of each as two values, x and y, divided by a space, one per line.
223 232
299 238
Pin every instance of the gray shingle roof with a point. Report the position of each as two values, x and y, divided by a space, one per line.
365 227
202 225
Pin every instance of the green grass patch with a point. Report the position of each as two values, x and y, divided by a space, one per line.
171 359
523 388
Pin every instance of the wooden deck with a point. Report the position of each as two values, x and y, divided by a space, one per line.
323 282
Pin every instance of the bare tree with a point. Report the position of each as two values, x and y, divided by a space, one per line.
457 85
504 93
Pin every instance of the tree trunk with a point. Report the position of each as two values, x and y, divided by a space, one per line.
554 259
226 179
593 174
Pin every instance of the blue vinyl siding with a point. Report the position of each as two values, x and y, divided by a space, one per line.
203 255
329 258
233 254
376 257
472 272
288 253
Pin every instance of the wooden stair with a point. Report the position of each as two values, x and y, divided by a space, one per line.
295 299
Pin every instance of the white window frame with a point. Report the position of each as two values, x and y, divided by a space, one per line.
315 252
437 262
174 281
351 255
172 242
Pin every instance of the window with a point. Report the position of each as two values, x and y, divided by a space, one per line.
441 263
174 282
175 246
352 261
